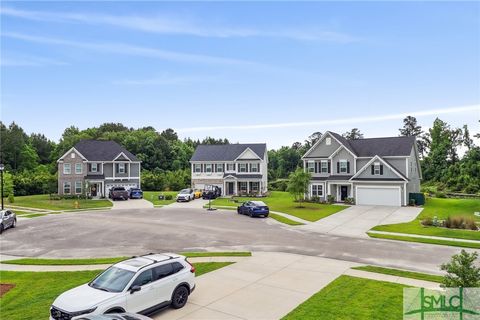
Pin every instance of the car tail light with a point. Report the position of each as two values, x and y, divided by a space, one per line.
192 267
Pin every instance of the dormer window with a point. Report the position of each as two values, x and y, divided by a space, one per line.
376 168
328 141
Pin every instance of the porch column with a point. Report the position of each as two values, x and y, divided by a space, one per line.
248 187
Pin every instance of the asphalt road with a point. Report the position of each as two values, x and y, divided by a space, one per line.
133 232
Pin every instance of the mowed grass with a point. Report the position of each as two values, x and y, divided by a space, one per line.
348 298
284 202
152 196
441 208
112 260
34 292
401 273
426 240
42 201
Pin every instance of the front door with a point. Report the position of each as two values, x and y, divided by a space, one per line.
230 188
343 192
94 189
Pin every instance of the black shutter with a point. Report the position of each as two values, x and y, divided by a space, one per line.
126 168
329 167
316 167
373 169
234 166
249 167
89 167
215 167
116 167
348 166
381 169
338 167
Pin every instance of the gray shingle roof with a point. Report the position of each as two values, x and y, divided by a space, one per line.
369 147
243 176
226 152
101 150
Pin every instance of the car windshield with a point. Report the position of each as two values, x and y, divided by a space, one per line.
119 189
259 203
112 280
185 191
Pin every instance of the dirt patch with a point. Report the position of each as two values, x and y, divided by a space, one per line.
5 287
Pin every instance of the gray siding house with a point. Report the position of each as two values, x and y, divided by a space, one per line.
376 171
234 168
92 167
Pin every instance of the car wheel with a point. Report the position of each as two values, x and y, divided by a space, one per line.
14 224
179 297
239 211
1 228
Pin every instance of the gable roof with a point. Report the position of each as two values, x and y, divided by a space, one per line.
102 150
370 147
385 162
226 152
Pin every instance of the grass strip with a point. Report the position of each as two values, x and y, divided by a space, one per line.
426 240
401 273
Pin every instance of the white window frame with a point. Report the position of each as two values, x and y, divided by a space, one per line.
208 168
220 166
121 168
197 168
72 155
230 166
328 141
67 168
257 188
94 167
242 167
322 167
343 166
376 169
77 166
255 167
311 166
69 184
76 187
317 190
241 184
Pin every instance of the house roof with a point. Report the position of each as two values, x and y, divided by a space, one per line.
383 147
243 176
102 150
226 152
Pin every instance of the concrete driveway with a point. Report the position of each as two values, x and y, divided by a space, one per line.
131 204
194 204
267 285
355 221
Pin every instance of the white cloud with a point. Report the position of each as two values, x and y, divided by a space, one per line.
127 49
20 60
162 24
337 122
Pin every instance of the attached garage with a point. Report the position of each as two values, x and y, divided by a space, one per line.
379 195
127 186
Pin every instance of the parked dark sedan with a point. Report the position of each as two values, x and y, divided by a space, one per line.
136 193
254 209
8 219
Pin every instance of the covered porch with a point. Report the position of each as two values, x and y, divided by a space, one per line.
95 187
238 187
340 190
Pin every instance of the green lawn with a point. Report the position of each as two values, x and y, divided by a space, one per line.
42 201
63 262
425 240
401 273
442 208
152 196
283 202
283 219
34 292
348 298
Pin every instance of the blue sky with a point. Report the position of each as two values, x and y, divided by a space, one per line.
267 71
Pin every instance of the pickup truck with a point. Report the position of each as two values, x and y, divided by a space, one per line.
118 193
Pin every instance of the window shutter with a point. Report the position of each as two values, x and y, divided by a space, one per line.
329 167
116 167
381 169
338 167
348 166
126 168
249 167
215 167
316 167
373 169
89 167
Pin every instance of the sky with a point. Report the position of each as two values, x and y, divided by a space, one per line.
271 72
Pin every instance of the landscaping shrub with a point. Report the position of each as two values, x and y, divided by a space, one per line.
459 222
314 199
168 197
11 198
349 201
470 224
330 199
440 194
427 221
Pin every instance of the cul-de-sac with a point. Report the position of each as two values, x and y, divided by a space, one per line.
239 160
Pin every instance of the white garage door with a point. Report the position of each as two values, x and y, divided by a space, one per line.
378 196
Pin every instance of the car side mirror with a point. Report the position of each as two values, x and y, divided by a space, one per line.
135 289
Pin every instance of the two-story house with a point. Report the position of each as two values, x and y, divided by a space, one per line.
92 167
234 168
376 171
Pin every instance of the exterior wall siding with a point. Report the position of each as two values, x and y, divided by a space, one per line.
72 177
413 173
324 150
387 172
342 155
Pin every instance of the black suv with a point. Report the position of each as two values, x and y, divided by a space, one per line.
211 192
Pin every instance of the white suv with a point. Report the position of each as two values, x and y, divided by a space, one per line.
140 285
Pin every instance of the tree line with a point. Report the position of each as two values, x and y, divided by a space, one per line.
31 168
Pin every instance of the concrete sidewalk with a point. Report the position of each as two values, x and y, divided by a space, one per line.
131 204
265 286
355 221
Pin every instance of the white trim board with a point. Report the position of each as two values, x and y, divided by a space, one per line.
384 162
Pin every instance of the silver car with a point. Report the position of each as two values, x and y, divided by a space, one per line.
117 316
8 219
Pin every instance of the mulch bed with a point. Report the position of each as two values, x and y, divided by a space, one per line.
4 288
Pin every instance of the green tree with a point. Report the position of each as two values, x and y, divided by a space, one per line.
462 271
412 129
353 134
298 184
43 147
7 184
